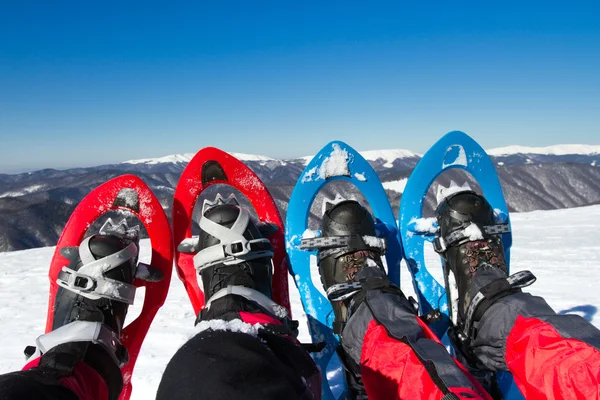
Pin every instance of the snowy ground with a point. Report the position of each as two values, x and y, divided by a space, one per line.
560 247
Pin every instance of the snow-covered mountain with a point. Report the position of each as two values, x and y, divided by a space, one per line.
34 206
187 157
556 150
559 247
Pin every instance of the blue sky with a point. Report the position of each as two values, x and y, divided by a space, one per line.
86 83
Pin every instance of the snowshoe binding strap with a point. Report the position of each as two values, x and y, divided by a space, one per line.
338 245
90 281
489 294
233 248
251 295
83 331
470 233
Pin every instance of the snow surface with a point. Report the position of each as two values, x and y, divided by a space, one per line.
557 150
560 247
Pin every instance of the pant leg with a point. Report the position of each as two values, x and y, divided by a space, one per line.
398 355
68 371
236 356
47 383
550 356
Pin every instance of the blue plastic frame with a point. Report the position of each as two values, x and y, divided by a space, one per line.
317 307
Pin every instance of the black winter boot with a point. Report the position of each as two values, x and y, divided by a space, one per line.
348 245
94 294
475 270
246 255
233 258
354 246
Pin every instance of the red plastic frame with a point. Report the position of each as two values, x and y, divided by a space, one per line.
152 215
249 184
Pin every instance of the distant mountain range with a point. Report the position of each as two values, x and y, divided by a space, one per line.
34 206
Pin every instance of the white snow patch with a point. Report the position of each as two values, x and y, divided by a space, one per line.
174 158
444 192
360 177
336 164
593 163
310 174
187 157
397 186
500 163
374 241
251 157
557 150
23 192
424 225
473 232
461 158
528 161
234 325
309 234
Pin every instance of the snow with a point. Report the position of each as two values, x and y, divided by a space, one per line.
389 156
336 164
451 159
310 174
23 192
557 150
310 234
473 232
235 325
174 158
187 157
397 186
424 225
360 177
560 247
251 157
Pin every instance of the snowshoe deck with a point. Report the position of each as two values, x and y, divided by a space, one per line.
336 161
128 193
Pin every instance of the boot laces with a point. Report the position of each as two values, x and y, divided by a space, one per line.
223 274
479 252
353 263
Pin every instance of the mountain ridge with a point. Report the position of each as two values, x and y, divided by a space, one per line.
34 206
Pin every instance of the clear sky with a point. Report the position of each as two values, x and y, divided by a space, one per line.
90 82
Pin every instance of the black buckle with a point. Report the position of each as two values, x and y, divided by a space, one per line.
439 245
432 316
237 248
313 347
